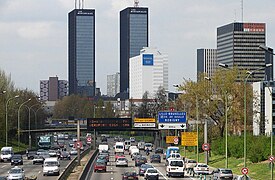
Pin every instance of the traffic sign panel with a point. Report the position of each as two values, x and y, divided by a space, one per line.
144 120
206 147
172 126
244 170
89 139
271 158
144 124
78 144
172 117
189 139
170 139
176 140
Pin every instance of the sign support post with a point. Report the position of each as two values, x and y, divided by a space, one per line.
78 139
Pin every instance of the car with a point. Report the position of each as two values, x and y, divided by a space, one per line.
100 166
148 146
135 154
143 168
132 139
40 151
30 154
222 173
159 150
242 178
51 166
102 158
65 155
73 151
175 167
140 160
71 143
104 139
38 159
17 159
151 173
119 155
155 158
45 154
106 154
141 145
16 173
201 168
52 153
189 165
129 175
122 161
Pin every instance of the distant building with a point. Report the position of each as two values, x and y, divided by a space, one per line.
82 52
113 84
53 89
238 46
148 72
133 37
206 61
263 119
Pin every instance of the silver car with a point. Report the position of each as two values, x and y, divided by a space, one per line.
122 161
221 173
16 173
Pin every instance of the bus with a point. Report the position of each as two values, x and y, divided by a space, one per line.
171 149
45 142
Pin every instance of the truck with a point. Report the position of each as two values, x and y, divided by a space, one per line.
45 142
6 154
171 149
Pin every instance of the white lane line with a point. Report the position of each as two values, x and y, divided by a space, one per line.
160 172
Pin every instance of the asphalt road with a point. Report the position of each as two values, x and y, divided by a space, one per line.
115 173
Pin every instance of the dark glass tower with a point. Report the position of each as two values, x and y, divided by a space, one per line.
82 52
133 37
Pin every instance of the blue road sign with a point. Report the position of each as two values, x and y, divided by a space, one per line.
172 117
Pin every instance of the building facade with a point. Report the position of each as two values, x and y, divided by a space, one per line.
148 72
53 89
264 106
82 52
113 86
238 46
133 37
206 61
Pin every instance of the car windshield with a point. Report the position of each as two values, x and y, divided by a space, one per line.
5 152
119 147
148 145
121 159
202 165
152 171
192 161
51 163
15 171
176 163
130 173
226 171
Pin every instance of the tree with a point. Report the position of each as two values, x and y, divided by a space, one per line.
143 109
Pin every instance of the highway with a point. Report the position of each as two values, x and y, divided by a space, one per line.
115 173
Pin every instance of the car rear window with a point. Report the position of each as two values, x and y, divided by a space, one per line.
226 171
176 163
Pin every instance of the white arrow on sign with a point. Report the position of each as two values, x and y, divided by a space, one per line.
172 126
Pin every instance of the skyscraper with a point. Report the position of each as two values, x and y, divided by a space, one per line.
206 61
113 84
133 37
82 52
238 46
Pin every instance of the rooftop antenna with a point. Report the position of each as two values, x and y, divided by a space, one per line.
235 15
82 4
75 4
136 2
242 9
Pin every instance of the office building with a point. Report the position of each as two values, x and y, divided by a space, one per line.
238 46
264 105
53 89
133 37
148 72
113 82
206 61
82 52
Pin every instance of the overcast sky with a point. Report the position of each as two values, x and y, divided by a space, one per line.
33 34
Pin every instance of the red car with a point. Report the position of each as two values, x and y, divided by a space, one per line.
119 155
129 175
100 166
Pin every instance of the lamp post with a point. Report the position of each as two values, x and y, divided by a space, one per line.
30 138
35 115
7 117
270 51
18 122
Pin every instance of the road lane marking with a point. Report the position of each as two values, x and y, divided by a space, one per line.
160 172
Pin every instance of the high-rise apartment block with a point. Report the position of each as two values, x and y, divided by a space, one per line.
206 61
133 37
82 52
113 84
148 72
238 46
53 89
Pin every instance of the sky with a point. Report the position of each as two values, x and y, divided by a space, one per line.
34 34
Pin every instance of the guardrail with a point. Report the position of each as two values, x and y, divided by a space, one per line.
86 171
68 169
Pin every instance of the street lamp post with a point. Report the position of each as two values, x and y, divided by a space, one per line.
18 122
197 114
30 138
7 117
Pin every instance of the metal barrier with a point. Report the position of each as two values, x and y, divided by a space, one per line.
87 168
69 168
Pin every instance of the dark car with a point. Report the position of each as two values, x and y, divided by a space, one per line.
65 155
104 139
38 159
159 151
30 154
17 159
143 168
129 175
100 166
155 158
106 154
140 160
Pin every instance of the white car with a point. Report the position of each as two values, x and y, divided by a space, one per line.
51 167
151 173
16 173
201 168
148 146
175 167
73 151
121 161
52 153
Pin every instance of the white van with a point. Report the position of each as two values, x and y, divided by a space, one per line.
127 144
119 147
141 145
175 167
6 154
148 146
51 166
103 147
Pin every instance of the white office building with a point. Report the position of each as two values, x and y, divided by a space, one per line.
113 84
147 72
